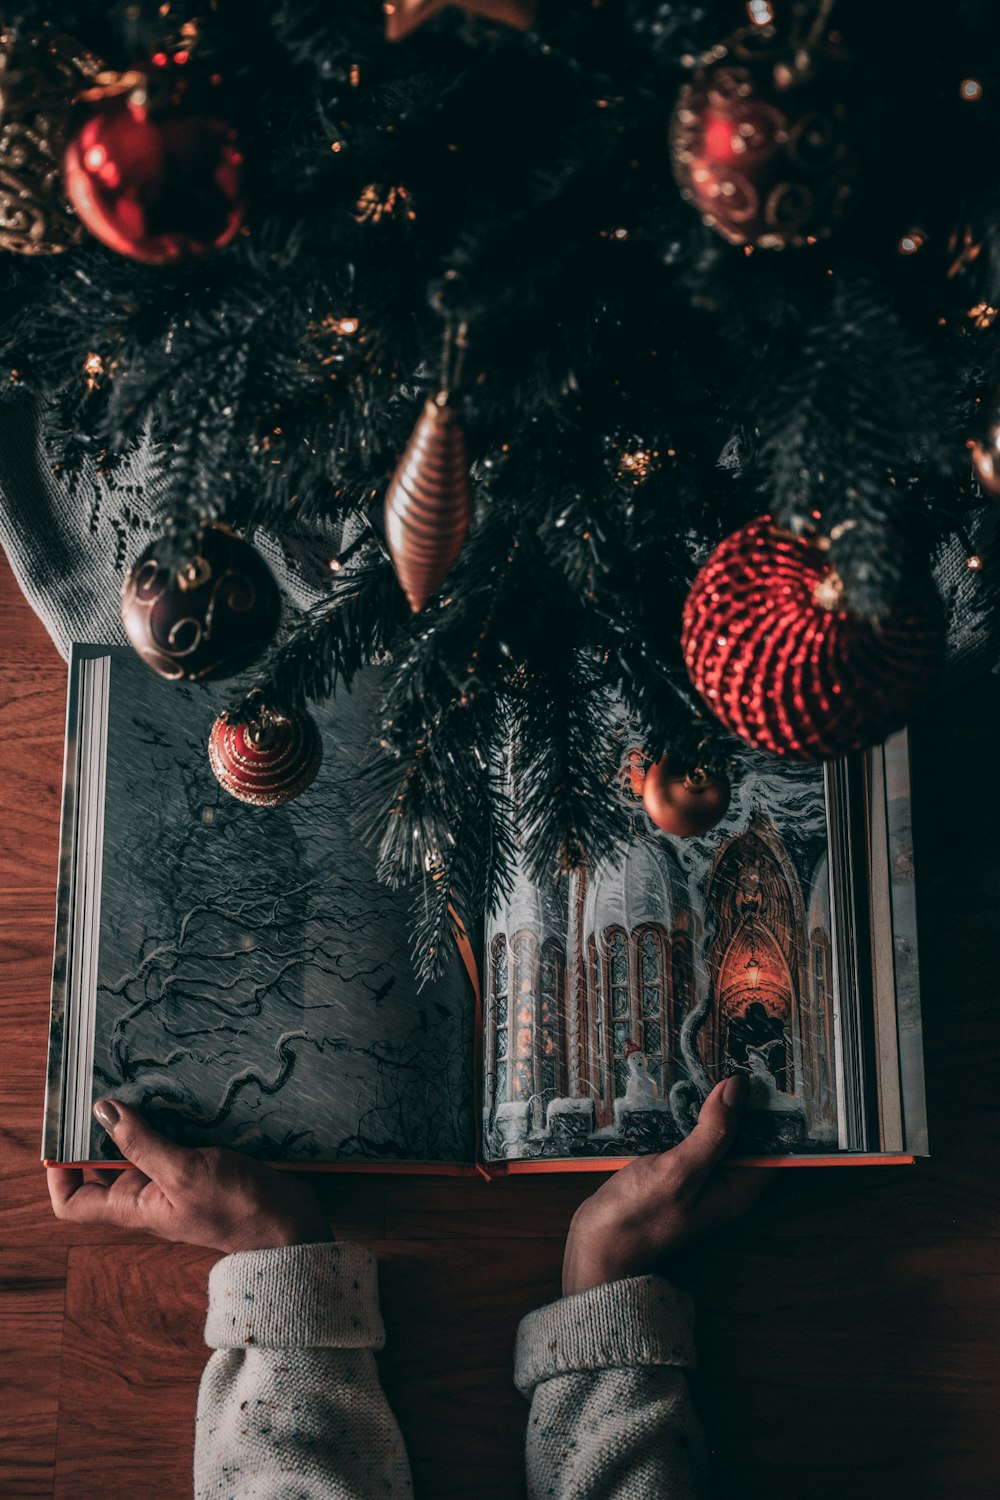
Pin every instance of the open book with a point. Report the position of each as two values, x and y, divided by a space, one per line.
239 974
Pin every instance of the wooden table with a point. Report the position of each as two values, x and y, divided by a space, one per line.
849 1331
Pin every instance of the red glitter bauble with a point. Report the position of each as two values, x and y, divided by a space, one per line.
768 142
152 176
201 612
685 803
267 762
778 657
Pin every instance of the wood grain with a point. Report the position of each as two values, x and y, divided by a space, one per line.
32 732
132 1356
848 1330
32 1295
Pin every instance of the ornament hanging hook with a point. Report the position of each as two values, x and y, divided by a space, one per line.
456 342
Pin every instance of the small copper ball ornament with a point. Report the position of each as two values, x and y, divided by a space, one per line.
203 616
268 761
767 141
685 803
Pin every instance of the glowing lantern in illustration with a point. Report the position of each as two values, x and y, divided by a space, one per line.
752 965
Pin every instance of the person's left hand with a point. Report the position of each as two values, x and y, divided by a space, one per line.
199 1195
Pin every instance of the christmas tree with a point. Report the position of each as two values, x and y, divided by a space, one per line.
660 268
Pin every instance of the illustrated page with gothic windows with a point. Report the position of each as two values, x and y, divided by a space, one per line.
616 997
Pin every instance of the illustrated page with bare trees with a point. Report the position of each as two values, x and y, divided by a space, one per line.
238 973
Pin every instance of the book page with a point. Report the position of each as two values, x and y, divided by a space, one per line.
616 997
254 987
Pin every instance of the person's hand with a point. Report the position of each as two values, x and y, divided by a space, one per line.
203 1196
658 1202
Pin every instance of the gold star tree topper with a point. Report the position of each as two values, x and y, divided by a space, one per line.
404 16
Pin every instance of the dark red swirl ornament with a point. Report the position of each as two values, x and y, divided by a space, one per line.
268 761
206 616
428 505
767 140
773 648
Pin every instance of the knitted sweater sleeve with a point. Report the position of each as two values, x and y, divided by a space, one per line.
611 1415
290 1406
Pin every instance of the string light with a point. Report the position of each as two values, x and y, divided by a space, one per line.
964 248
974 563
911 242
983 314
971 88
637 464
375 202
93 369
760 12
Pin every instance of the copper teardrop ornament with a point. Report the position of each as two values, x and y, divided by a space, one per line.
428 505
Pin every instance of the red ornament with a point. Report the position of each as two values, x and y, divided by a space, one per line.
205 615
780 659
268 761
767 140
685 803
153 173
427 505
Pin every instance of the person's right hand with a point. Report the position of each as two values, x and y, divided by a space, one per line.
657 1203
201 1195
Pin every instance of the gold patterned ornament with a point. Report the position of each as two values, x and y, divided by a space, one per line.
404 16
39 81
767 139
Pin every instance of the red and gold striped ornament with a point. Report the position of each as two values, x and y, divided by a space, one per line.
773 648
266 761
428 504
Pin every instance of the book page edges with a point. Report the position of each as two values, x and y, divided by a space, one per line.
55 1066
489 1170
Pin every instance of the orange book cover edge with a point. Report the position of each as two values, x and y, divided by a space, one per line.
489 1170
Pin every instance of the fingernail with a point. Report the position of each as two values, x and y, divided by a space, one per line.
107 1114
734 1090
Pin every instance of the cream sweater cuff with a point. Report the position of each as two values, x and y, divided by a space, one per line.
298 1296
641 1321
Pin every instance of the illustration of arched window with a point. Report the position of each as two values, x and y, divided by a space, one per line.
822 996
551 1024
682 984
620 1009
598 1056
654 1028
498 1061
524 1001
755 999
